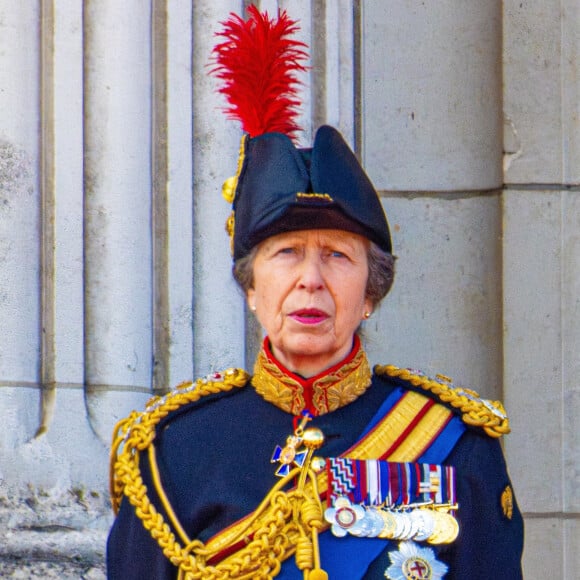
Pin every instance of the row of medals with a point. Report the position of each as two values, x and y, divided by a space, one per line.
432 524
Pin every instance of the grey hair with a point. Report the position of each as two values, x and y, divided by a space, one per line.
381 273
381 266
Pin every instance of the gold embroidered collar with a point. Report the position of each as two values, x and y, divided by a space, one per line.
334 388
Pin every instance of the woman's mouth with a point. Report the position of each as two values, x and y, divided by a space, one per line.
309 316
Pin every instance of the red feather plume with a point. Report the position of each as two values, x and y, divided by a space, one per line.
257 63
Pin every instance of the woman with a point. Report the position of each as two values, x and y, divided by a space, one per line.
313 467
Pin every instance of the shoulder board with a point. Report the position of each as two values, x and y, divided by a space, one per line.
189 392
474 410
137 431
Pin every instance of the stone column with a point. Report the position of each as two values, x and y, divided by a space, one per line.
431 142
172 174
117 206
20 209
218 307
542 277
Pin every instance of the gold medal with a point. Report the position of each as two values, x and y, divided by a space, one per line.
438 529
446 528
452 529
389 525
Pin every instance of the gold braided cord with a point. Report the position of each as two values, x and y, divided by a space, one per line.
489 415
284 523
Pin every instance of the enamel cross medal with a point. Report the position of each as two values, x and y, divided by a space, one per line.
291 455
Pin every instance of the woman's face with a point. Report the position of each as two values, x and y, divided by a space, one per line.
309 296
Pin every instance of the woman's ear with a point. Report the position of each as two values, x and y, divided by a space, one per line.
251 299
368 308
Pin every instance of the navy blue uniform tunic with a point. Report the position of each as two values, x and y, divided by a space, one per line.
214 460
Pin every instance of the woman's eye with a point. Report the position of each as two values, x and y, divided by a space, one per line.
337 254
288 250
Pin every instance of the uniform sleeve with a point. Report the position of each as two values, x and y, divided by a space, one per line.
490 541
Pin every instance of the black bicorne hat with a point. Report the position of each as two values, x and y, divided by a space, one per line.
279 187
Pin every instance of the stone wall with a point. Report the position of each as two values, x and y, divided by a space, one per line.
115 266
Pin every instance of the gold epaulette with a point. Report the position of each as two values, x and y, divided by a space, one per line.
136 432
474 410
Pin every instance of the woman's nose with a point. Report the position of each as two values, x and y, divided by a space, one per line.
311 277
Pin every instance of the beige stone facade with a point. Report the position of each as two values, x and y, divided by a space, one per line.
116 270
